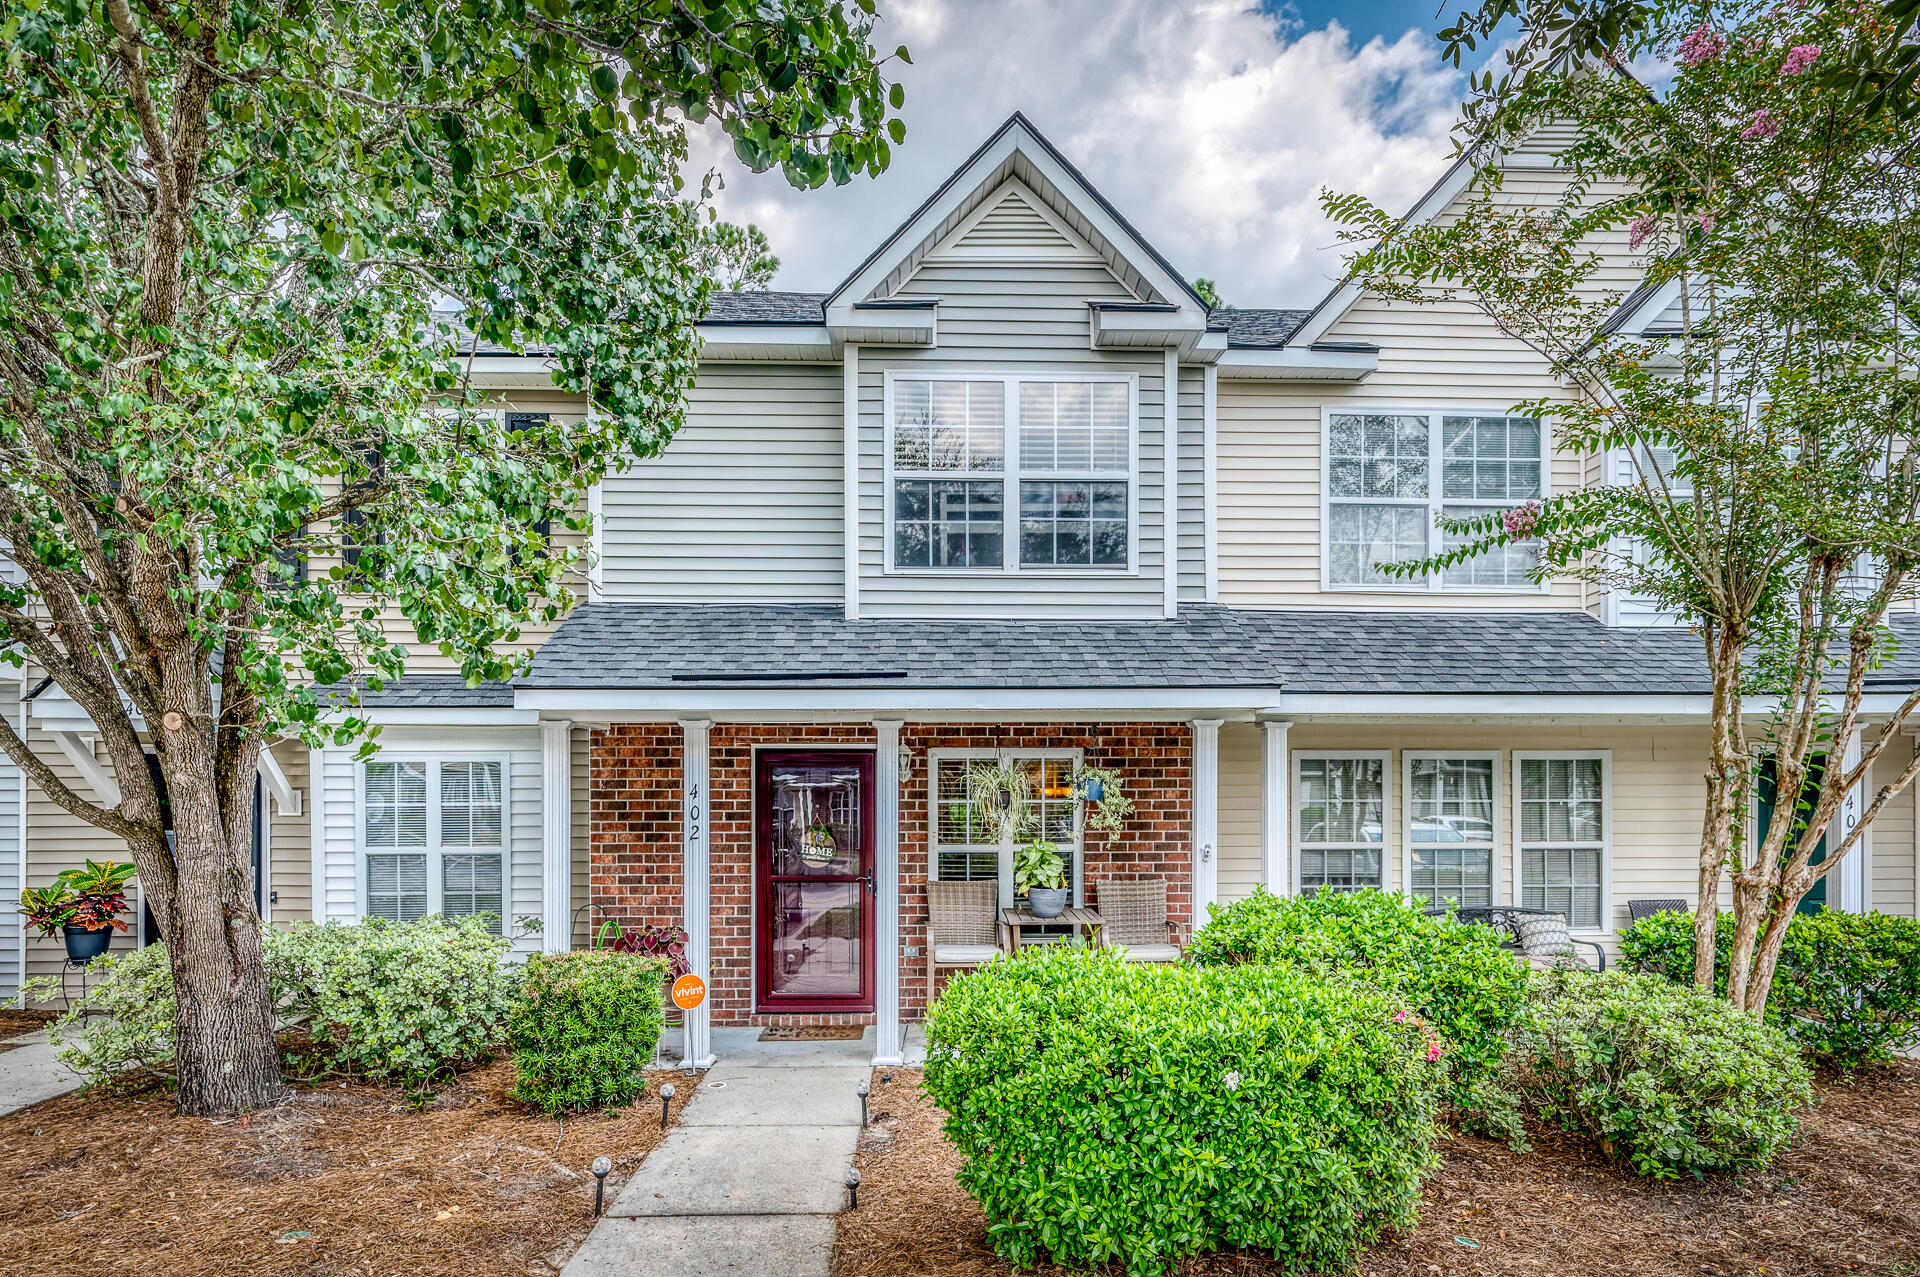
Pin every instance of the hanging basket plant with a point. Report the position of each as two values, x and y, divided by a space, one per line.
1105 796
1002 798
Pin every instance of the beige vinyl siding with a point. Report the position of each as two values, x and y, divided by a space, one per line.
744 504
13 860
1891 884
1445 356
1657 795
1024 318
1240 868
290 841
424 658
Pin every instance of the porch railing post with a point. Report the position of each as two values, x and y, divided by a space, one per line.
697 908
886 890
1206 816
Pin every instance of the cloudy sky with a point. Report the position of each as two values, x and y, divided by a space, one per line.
1211 124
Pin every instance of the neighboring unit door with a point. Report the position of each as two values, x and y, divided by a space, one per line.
1765 796
813 878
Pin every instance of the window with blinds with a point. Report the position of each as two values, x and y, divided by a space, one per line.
434 837
964 846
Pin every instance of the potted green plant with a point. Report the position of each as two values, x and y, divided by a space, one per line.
1040 873
83 904
1002 794
1105 796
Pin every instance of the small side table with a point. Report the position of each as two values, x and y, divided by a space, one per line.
1082 921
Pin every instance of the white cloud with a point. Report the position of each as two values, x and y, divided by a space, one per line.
1209 125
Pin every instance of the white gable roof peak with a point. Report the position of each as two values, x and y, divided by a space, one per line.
1015 164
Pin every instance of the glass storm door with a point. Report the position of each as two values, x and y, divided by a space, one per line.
814 878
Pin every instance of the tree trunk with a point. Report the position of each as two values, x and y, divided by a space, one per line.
224 1046
1749 907
1767 960
1726 773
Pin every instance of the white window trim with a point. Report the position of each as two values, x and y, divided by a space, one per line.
1407 759
1436 539
1385 758
1009 476
433 758
1605 756
1078 868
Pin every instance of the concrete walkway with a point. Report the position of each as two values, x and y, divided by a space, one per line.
30 1074
751 1178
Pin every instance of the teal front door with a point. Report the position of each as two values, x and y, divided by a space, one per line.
1765 796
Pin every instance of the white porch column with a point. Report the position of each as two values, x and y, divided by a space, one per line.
1854 874
1276 808
696 905
886 890
556 835
1206 816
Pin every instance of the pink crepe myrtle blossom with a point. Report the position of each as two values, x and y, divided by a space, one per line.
1639 229
1799 59
1707 223
1702 44
1764 125
1522 521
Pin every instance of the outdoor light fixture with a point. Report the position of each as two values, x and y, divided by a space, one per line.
601 1165
853 1189
861 1090
666 1098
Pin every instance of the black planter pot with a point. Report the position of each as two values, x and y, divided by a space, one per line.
84 945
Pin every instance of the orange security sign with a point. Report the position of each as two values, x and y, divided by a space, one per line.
689 991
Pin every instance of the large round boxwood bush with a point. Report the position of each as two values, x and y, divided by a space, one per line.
1141 1113
1847 989
1457 977
1666 1080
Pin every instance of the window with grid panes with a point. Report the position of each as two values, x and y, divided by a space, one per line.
1389 474
434 838
1563 837
1450 809
1342 822
964 847
1060 484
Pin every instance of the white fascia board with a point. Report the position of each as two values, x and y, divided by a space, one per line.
1632 321
1604 707
1014 138
589 702
508 372
1337 303
917 324
472 716
743 341
1298 363
1127 326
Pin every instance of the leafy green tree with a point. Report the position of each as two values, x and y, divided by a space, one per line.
1774 505
222 225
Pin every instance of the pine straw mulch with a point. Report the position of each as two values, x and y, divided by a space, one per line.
335 1179
15 1022
1845 1199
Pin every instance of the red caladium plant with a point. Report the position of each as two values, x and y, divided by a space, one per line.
667 942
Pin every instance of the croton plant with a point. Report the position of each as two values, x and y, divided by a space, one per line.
92 898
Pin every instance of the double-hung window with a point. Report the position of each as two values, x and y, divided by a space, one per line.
1389 474
1563 842
433 835
1450 828
966 847
1341 812
1055 491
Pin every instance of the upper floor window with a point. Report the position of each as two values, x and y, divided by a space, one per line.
1389 474
1056 491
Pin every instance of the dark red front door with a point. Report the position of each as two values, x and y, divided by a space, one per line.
813 871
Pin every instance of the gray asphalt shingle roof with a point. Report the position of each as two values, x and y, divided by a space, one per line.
1258 328
640 645
766 308
432 691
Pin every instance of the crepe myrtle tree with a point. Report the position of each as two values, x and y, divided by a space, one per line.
1773 502
222 226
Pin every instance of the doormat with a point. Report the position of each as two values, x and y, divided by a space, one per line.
813 1033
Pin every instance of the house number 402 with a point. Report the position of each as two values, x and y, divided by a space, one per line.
694 814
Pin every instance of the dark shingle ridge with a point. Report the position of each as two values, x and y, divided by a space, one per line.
1257 328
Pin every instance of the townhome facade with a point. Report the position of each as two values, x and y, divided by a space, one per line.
1012 492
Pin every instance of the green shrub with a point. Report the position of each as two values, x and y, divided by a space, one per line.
1847 989
584 1028
1458 978
1141 1113
123 1028
407 1001
1665 1080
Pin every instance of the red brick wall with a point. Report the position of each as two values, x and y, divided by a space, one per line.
635 849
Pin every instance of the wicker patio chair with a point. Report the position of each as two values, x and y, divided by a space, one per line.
1134 917
1638 909
962 925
